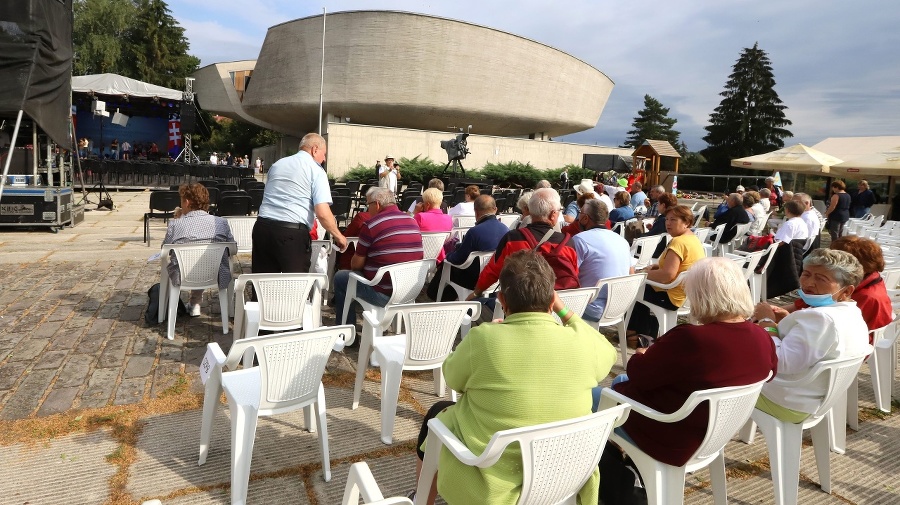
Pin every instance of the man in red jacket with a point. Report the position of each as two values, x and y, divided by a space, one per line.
544 208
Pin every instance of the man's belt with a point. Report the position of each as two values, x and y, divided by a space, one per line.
283 224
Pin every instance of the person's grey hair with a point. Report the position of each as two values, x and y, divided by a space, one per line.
846 269
660 188
526 281
736 199
765 193
543 202
436 183
803 197
522 204
595 210
788 194
543 183
717 290
311 140
383 196
770 179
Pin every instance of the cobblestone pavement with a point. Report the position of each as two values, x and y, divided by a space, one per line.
73 339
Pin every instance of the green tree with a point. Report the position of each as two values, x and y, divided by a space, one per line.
99 28
134 38
652 122
750 119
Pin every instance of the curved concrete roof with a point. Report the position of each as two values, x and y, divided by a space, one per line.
417 71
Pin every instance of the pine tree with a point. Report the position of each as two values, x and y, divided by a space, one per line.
750 119
134 38
652 123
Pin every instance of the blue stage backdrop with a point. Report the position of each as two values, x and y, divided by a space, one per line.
140 131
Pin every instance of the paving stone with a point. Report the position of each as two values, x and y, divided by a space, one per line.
27 396
11 372
114 352
130 391
60 313
170 352
101 386
76 370
29 349
109 311
59 400
80 320
51 360
8 341
144 344
131 313
100 327
166 376
91 344
67 338
138 366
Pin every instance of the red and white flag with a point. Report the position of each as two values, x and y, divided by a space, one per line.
175 141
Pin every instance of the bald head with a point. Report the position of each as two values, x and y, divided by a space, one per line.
485 205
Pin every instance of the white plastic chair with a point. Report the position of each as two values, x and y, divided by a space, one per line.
431 329
433 244
576 300
713 247
729 410
361 483
464 221
331 254
459 232
621 293
759 281
510 220
748 262
198 266
289 377
741 231
784 438
407 280
702 234
482 257
574 445
698 212
285 301
668 319
642 250
242 231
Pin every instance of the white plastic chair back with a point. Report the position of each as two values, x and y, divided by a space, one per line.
459 231
291 366
433 244
698 212
199 263
621 225
759 284
510 220
891 277
407 279
642 250
431 329
713 246
576 299
667 318
285 301
361 484
242 231
316 246
748 262
741 232
729 410
573 444
621 294
464 220
482 257
702 234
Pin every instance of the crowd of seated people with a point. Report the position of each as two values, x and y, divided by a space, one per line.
549 372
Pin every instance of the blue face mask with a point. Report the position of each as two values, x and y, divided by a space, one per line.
816 300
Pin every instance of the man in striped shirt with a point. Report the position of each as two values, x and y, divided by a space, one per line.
389 237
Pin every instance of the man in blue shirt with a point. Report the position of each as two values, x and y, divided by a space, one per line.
601 254
296 193
484 236
638 198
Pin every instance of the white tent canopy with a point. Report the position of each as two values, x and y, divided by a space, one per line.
113 84
796 158
864 156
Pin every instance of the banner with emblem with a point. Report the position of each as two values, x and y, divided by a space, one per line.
175 141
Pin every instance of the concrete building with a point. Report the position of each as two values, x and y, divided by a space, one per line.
401 82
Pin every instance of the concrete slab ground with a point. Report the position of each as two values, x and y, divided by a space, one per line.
96 406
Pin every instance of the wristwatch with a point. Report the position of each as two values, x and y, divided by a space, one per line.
766 320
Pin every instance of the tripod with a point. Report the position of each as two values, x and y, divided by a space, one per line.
99 187
457 166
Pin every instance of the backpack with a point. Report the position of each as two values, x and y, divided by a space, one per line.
565 269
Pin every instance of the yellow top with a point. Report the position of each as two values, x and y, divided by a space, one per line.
687 247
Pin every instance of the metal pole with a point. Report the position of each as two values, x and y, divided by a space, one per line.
322 84
12 150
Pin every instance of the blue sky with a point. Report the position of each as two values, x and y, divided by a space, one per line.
836 63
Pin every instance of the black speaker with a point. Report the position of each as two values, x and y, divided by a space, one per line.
36 62
188 118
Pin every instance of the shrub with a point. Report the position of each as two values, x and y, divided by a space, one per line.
360 173
512 173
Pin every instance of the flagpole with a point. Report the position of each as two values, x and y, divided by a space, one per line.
322 84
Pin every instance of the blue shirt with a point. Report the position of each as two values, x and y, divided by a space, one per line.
295 185
601 254
637 199
572 209
621 214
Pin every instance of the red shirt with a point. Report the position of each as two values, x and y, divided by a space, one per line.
388 238
352 230
690 358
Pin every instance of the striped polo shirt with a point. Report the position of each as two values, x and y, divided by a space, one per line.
390 237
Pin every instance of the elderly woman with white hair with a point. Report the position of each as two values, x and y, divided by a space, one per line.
831 328
722 349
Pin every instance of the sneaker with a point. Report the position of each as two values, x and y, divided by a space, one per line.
195 310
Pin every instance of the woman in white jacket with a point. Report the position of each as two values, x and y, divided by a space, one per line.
832 327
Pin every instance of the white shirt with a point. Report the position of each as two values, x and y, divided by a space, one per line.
605 199
390 180
759 219
766 204
812 223
792 229
462 209
213 159
807 337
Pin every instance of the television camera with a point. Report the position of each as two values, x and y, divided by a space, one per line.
456 152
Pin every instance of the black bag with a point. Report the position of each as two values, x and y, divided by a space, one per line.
617 479
150 315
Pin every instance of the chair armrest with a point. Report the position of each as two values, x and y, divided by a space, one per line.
640 408
668 286
458 449
357 277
